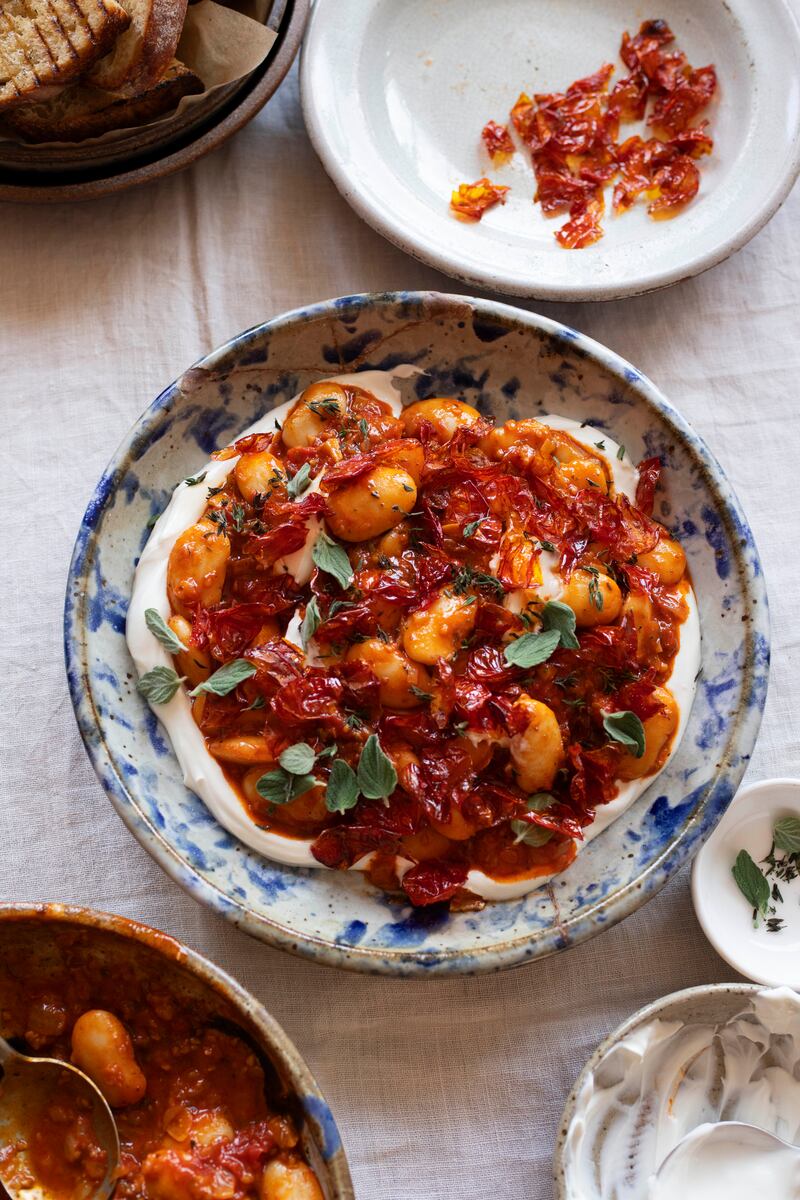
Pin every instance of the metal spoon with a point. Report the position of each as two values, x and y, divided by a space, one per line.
747 1157
29 1087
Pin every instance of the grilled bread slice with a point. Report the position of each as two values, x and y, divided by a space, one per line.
81 111
44 43
143 53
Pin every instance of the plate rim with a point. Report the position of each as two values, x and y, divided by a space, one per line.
400 237
381 960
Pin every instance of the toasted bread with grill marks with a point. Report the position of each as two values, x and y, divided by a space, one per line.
46 43
81 111
143 53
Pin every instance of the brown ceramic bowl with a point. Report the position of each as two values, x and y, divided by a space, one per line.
121 945
84 172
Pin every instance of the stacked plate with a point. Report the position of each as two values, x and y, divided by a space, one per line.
85 171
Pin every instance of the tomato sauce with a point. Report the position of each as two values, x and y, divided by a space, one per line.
214 1112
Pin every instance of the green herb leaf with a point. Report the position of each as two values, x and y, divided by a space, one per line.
160 685
786 834
161 631
556 615
299 482
193 480
531 835
620 453
420 693
547 546
532 648
298 759
279 787
540 801
471 527
311 622
595 595
751 882
332 558
343 791
627 729
377 778
226 678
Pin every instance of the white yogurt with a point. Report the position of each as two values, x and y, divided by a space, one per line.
201 771
727 1162
657 1087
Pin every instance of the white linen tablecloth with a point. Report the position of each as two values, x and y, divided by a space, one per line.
442 1090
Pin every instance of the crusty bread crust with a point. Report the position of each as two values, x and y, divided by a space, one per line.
143 53
80 112
46 43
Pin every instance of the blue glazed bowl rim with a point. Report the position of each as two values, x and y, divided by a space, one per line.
382 960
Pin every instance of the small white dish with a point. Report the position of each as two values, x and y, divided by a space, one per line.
395 96
722 910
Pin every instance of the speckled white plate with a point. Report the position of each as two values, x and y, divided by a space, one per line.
395 96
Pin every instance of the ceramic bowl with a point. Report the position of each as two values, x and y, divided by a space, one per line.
395 97
715 1003
507 363
119 944
751 948
141 154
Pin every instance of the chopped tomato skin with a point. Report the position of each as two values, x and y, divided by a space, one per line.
573 139
497 141
471 200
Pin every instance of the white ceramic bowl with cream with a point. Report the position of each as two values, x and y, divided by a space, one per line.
726 1052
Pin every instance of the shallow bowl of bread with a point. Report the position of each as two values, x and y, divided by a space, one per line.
508 364
98 95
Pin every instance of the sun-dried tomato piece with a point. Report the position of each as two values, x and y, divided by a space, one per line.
226 632
694 141
442 778
315 696
628 98
643 51
433 881
675 111
253 443
583 227
497 141
593 782
471 200
289 532
523 116
342 845
359 464
277 663
675 185
649 472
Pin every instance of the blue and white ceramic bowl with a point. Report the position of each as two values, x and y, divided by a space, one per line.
507 363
